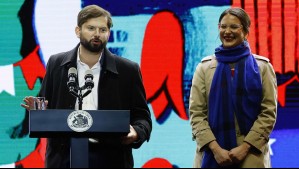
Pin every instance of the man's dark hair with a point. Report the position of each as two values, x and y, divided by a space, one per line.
93 11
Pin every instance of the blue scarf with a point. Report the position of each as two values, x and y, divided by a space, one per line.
240 95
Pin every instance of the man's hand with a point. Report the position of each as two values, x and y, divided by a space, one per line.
221 155
130 138
239 153
29 103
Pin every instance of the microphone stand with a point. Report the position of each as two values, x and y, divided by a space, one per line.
79 95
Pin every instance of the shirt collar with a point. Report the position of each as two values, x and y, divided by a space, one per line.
78 57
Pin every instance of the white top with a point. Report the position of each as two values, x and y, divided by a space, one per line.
90 102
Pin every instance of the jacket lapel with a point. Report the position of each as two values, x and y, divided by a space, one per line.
70 60
107 78
108 62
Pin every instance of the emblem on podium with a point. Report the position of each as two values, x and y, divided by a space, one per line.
79 121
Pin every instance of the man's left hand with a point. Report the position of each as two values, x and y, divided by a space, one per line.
130 138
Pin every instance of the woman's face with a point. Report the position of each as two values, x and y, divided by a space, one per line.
231 31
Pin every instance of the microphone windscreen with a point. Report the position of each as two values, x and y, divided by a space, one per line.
88 73
72 70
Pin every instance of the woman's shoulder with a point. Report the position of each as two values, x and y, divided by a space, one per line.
261 58
208 58
207 63
263 63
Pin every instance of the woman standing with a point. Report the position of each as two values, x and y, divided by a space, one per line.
233 100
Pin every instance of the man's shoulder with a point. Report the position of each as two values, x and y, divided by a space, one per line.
121 61
62 56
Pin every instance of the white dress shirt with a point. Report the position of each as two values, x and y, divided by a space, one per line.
90 102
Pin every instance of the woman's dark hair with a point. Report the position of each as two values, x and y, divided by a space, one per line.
93 11
241 15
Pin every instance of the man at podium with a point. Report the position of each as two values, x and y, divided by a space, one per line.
113 83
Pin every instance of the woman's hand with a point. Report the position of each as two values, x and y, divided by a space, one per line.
221 155
239 153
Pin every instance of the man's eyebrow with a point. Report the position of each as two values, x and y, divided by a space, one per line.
97 26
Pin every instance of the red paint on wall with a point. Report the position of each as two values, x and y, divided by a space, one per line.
162 63
157 163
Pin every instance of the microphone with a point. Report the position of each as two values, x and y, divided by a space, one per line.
72 75
88 80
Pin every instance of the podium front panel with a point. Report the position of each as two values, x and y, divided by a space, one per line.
54 123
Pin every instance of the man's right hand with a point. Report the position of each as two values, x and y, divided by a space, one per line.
29 103
220 155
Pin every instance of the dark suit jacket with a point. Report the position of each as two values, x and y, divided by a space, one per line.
120 88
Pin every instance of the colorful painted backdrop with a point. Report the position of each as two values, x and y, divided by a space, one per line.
168 39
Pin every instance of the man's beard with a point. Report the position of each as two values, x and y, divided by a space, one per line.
93 48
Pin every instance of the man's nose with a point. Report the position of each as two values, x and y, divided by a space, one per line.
97 32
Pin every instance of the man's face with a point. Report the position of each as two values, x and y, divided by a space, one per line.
94 34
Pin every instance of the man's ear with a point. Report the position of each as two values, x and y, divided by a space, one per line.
78 31
109 34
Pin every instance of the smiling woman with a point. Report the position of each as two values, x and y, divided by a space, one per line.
234 103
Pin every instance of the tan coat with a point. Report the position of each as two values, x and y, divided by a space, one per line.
259 134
